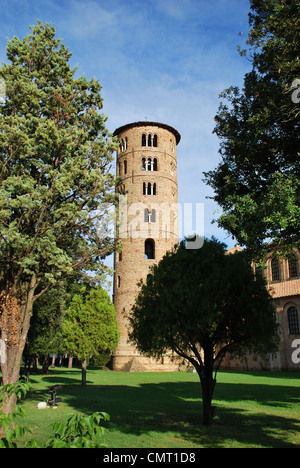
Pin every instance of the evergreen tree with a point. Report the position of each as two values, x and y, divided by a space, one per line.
55 160
90 327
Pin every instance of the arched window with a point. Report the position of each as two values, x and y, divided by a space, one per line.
275 269
149 249
293 321
293 270
119 281
149 163
149 189
125 167
143 139
155 140
143 164
149 140
155 164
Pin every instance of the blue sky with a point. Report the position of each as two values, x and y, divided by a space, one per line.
164 60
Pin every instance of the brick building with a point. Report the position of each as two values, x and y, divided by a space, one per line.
283 281
148 213
147 166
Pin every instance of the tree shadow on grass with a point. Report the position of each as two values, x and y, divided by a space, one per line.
176 407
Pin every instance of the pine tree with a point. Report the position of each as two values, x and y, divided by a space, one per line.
55 160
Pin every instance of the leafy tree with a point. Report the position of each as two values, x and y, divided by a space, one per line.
257 181
90 327
200 304
55 160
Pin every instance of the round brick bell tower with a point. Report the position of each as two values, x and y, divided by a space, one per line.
148 216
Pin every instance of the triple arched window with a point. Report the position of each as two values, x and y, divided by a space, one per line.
149 140
149 189
149 164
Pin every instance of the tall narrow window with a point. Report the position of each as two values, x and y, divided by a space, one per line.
146 215
293 321
154 189
155 164
143 139
143 164
119 281
149 249
144 188
149 140
125 167
155 140
275 269
293 270
149 164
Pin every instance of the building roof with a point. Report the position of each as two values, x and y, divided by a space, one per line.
285 288
149 124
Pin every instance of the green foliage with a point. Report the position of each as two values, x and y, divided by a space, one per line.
55 173
200 304
79 432
200 298
55 160
257 181
8 432
90 326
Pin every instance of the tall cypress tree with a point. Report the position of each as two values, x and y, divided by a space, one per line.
55 160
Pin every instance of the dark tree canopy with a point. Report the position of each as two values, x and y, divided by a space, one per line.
199 304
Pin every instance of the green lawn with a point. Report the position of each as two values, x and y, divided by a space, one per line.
163 410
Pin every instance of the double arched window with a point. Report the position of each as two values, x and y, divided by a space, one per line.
149 164
149 216
149 140
123 144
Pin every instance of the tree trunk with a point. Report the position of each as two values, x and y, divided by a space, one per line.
45 366
70 362
207 395
15 316
208 383
83 372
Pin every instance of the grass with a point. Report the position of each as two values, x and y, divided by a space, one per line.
163 410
